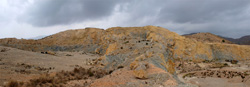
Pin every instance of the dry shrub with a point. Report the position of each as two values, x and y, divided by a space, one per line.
61 78
3 50
188 75
13 84
219 65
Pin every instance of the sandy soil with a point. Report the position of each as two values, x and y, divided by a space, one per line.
235 75
21 65
124 77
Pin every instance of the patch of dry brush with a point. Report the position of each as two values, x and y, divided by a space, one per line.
61 78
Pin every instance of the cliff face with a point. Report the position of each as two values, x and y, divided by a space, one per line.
134 46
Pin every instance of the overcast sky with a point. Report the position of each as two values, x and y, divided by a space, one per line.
32 18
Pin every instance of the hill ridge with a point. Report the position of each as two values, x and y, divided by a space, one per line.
207 37
134 47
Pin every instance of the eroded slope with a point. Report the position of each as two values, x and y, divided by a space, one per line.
137 48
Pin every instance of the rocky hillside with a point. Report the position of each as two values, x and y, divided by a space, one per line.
130 40
207 37
139 48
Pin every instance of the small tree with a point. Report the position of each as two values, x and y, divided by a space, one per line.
223 41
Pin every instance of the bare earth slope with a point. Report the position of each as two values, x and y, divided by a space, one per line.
208 38
245 40
138 49
20 65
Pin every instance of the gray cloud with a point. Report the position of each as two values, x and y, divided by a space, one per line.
189 16
223 17
58 12
198 11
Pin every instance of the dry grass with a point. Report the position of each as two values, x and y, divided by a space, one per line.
219 65
188 75
12 84
61 78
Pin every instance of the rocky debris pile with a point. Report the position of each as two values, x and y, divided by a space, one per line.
23 68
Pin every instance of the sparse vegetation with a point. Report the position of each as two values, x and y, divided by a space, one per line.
188 75
61 78
232 61
114 49
210 61
69 55
223 41
125 42
3 50
119 67
219 65
12 84
48 52
207 61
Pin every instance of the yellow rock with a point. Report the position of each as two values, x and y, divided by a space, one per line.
51 53
171 66
149 54
111 48
97 50
133 65
141 74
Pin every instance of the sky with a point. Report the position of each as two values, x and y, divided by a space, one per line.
36 18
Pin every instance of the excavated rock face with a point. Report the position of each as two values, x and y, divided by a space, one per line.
134 47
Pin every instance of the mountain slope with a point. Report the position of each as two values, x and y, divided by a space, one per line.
207 37
245 40
99 41
134 47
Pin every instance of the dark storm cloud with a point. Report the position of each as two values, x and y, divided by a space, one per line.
187 16
181 16
200 11
183 11
58 12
